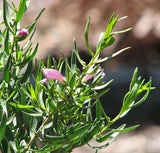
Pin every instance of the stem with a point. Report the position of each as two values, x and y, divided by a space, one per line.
109 124
36 134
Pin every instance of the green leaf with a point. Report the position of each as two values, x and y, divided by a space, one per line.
3 125
126 129
6 75
105 42
40 99
23 97
21 106
121 31
10 119
96 95
10 96
56 139
111 25
27 73
6 14
76 133
105 137
112 55
98 109
26 92
86 37
73 127
111 134
33 126
78 57
92 132
1 37
68 68
134 78
72 81
23 4
99 87
32 26
106 39
29 59
49 147
33 94
136 88
6 71
49 62
145 96
6 43
95 69
31 112
73 59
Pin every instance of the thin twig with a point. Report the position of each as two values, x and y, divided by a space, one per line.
37 132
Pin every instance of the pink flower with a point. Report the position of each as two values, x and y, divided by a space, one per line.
22 32
52 74
87 77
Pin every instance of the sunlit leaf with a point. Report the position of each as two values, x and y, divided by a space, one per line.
86 37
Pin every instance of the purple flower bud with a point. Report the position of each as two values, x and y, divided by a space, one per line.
22 32
87 77
52 74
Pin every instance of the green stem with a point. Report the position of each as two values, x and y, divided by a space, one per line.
37 132
109 124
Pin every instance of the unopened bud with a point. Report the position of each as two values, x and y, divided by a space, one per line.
22 32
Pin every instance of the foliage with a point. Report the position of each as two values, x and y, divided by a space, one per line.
56 116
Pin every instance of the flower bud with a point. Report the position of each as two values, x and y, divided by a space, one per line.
22 32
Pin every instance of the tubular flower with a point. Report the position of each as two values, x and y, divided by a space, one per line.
87 77
52 74
23 32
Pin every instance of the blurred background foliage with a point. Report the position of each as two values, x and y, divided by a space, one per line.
64 20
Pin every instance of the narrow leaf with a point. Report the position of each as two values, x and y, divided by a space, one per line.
32 26
72 81
2 125
6 14
134 78
73 134
21 10
113 55
111 134
126 129
86 37
21 106
145 96
6 43
99 87
78 57
27 73
122 31
11 95
73 59
56 139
